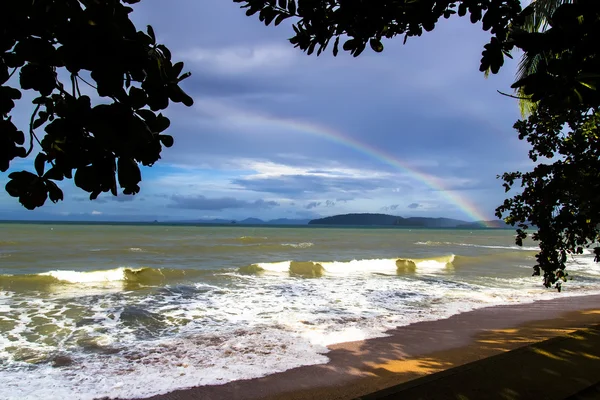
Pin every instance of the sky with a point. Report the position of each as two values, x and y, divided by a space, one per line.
414 131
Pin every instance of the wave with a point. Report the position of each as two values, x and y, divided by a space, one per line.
123 277
390 266
303 245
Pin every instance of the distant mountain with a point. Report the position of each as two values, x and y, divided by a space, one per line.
356 219
388 220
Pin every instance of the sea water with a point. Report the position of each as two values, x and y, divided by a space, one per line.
88 311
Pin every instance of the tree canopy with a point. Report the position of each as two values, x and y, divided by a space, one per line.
560 196
62 50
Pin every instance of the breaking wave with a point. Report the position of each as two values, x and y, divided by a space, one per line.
131 277
390 266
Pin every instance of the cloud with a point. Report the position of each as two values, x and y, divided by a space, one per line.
217 204
303 186
304 181
95 212
125 198
103 199
239 60
414 205
329 203
393 207
313 204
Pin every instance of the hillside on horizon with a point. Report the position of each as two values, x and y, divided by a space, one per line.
374 219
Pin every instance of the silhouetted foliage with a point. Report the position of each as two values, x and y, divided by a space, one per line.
561 196
366 22
536 21
59 47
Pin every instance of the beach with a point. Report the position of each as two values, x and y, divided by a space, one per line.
363 367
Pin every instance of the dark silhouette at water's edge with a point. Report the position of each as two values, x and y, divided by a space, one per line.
412 222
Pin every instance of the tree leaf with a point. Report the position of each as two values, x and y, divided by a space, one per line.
40 161
376 45
151 34
161 123
54 192
166 140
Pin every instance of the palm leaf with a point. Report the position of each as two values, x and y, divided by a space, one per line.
538 21
543 9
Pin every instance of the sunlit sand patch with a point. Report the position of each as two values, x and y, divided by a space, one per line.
590 312
590 356
419 366
547 354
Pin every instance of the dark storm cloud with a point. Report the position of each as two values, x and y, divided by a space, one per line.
414 205
313 204
207 83
300 185
217 204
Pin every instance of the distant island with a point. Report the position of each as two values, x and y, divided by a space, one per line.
366 219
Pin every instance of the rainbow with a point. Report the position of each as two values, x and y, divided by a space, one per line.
329 134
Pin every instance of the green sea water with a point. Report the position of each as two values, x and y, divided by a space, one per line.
88 309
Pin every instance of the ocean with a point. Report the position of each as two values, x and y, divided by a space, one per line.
88 311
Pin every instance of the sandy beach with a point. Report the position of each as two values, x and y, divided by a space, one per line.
409 352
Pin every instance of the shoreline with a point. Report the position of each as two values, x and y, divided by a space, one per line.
412 351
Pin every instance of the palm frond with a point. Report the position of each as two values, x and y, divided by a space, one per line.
526 105
538 21
528 64
543 9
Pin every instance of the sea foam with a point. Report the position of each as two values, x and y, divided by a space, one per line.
353 267
110 275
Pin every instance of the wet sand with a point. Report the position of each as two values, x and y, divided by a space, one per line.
363 367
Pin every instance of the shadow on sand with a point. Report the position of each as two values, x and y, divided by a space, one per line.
564 367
